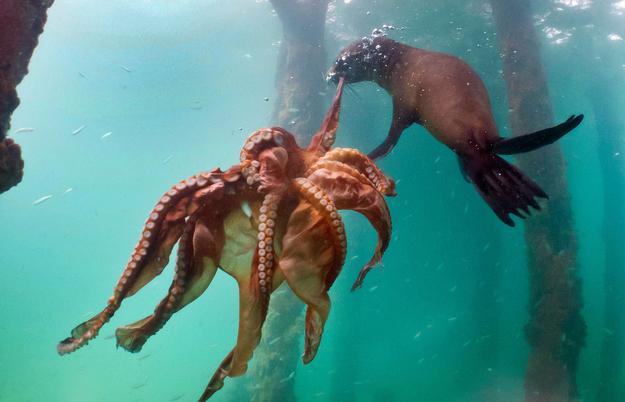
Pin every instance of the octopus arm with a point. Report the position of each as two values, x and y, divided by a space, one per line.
160 233
364 165
313 253
198 254
349 192
323 140
249 256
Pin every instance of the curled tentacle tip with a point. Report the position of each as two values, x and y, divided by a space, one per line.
357 285
66 346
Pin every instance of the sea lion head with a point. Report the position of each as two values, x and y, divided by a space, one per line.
358 61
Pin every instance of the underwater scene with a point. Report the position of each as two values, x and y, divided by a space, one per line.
312 200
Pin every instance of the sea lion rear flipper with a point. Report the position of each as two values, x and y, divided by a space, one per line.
504 188
533 141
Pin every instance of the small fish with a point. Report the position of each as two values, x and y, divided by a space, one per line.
25 130
421 360
166 160
450 319
137 386
69 190
353 258
111 336
175 398
293 110
247 56
418 334
273 341
467 343
126 69
373 288
106 135
78 130
318 394
290 377
266 99
453 289
42 199
141 358
82 75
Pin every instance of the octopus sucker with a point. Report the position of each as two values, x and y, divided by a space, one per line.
272 217
364 165
132 337
349 193
165 225
314 293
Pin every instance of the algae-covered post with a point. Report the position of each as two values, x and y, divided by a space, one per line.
298 108
556 331
21 22
611 143
610 126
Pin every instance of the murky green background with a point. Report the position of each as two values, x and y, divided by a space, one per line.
180 84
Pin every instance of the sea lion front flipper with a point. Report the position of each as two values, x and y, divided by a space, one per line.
399 124
533 141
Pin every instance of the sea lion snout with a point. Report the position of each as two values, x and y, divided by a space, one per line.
354 63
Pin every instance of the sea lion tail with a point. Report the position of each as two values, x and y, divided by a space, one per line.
533 141
504 188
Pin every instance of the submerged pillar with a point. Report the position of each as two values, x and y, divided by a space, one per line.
21 23
611 147
556 330
299 109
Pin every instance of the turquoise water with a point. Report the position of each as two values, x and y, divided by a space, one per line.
179 86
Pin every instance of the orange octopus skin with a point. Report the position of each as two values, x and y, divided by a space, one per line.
294 233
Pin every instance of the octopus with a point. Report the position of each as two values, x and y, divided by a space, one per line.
272 218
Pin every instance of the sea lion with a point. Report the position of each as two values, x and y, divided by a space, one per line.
447 97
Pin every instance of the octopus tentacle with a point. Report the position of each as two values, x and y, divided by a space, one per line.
254 291
348 192
314 249
323 140
217 380
161 231
258 142
362 163
198 253
255 286
132 337
341 167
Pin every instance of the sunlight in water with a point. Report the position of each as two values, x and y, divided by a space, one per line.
556 36
619 7
581 4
